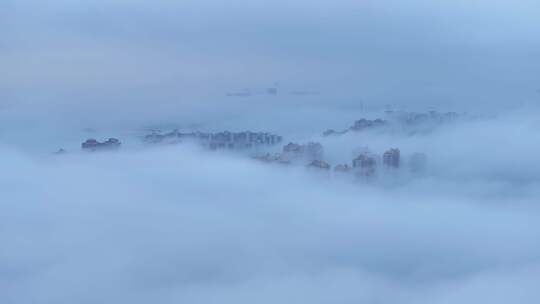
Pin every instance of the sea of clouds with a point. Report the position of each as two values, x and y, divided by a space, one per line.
177 224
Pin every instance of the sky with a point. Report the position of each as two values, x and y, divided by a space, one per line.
179 224
156 57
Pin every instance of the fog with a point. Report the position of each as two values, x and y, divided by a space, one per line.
70 57
175 224
181 223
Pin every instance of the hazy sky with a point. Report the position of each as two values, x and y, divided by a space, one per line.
104 56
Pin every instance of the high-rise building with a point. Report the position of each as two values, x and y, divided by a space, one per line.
319 164
391 158
94 145
365 164
310 151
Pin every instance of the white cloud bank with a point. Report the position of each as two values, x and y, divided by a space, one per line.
177 225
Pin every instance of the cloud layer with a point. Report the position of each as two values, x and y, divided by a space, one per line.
104 56
176 224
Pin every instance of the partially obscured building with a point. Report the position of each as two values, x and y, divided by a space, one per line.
319 164
219 140
365 164
364 124
94 145
272 91
391 158
309 151
342 168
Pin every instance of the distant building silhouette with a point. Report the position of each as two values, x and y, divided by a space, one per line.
94 145
365 164
319 164
217 141
272 91
391 158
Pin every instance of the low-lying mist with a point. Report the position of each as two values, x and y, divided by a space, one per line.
453 216
178 223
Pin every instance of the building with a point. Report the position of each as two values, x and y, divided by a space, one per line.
319 164
342 168
217 141
364 124
310 151
314 150
293 148
365 164
391 158
272 91
94 145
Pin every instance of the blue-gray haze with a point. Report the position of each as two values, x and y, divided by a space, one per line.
180 224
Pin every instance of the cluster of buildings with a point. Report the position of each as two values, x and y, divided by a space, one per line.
414 118
368 164
94 145
359 125
271 91
409 121
218 141
365 165
311 155
309 151
293 153
364 124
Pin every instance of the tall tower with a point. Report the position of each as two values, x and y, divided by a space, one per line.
391 158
